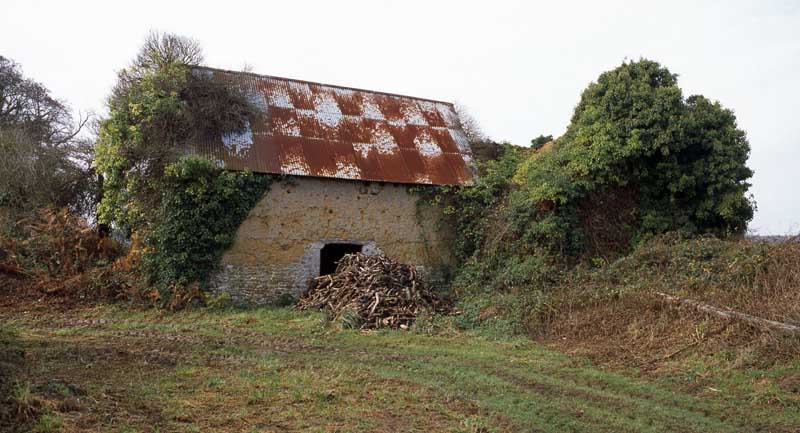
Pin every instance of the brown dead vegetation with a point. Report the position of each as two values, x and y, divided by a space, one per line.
607 219
615 314
56 254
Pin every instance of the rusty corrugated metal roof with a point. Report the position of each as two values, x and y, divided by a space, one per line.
313 129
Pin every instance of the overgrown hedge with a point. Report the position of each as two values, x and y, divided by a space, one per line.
637 160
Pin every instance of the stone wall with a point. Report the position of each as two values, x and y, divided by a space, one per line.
277 248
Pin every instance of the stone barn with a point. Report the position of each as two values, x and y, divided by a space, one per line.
348 161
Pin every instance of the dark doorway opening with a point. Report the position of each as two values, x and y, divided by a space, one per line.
330 255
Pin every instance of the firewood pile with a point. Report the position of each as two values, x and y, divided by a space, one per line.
372 292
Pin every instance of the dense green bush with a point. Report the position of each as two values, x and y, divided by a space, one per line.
471 208
496 273
201 208
639 148
130 160
638 159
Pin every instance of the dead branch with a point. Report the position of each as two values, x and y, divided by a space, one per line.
12 270
727 313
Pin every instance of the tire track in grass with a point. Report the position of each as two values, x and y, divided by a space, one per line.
506 400
653 415
615 391
614 401
736 417
649 395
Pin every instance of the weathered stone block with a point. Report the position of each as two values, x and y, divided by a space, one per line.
277 248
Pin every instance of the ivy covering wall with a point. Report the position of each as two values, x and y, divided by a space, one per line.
184 209
201 208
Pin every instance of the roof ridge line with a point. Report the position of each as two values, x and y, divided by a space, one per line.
321 84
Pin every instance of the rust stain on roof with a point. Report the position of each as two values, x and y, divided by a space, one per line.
312 129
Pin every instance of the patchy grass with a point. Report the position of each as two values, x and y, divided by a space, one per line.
110 369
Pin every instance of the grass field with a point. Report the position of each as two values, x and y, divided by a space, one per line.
106 368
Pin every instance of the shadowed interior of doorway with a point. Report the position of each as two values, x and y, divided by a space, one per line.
332 253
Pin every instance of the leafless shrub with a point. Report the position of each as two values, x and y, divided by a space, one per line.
164 48
469 124
158 51
45 160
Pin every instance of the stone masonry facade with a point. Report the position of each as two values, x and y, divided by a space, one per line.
277 248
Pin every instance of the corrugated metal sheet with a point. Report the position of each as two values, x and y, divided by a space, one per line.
312 129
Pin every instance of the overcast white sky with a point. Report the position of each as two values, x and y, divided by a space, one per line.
519 66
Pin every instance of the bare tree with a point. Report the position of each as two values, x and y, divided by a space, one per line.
162 49
44 161
27 104
483 148
469 124
159 51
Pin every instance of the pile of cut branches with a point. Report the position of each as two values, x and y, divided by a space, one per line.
371 292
